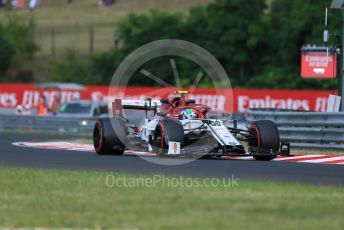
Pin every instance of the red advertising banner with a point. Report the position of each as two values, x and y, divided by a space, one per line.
227 100
318 65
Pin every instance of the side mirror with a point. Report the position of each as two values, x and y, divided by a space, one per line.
164 101
192 102
162 114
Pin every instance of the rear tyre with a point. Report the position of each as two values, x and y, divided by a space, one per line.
165 131
265 137
106 141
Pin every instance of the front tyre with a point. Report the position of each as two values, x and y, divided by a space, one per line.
265 137
167 130
106 141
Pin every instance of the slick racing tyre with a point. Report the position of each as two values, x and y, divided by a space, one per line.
265 138
165 131
106 141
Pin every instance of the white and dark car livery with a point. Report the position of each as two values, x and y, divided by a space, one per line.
178 126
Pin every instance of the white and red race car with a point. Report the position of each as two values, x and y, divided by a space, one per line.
179 127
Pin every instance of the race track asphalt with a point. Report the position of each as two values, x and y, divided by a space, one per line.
15 156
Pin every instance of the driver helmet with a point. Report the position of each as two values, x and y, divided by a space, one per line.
188 114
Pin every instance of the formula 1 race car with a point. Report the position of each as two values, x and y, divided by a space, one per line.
179 127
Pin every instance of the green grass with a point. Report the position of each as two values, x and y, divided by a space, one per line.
59 13
49 198
72 23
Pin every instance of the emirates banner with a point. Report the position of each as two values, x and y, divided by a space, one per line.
318 62
240 100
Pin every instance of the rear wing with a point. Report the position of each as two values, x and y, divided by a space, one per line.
147 105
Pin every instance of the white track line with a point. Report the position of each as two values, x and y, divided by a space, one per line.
324 160
297 157
238 158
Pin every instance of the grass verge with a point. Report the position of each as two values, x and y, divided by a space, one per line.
72 22
69 26
50 198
